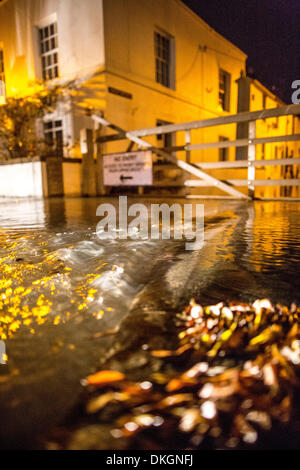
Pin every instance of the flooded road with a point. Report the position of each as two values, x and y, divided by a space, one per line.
70 302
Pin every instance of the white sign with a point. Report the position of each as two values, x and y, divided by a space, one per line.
128 169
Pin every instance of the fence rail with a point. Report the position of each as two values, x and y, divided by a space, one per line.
198 169
245 164
240 183
290 110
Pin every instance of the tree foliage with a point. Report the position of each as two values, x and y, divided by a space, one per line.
18 122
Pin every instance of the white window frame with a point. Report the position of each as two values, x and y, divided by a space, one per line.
48 42
43 23
168 61
226 93
54 129
62 113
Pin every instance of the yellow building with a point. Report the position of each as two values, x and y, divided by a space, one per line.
140 63
253 96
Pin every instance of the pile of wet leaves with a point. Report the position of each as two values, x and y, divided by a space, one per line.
233 382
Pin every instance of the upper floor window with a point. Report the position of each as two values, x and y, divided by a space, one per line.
264 100
164 59
224 90
2 78
49 51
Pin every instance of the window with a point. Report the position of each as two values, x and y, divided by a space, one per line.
164 61
223 152
264 101
53 131
166 139
2 78
49 51
224 90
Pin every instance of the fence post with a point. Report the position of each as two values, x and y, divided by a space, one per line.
251 159
188 142
88 179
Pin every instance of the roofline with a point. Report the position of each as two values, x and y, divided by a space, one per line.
200 20
211 30
266 90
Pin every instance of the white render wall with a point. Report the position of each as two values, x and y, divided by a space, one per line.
21 180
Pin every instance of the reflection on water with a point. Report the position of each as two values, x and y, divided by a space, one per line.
60 285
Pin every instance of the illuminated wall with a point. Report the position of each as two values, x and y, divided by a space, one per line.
124 59
21 179
108 45
262 98
80 50
199 53
80 38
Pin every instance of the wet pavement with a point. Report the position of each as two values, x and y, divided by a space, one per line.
71 303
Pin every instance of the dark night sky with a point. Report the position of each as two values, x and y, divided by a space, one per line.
268 31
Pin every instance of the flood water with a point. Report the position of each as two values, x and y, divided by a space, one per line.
61 288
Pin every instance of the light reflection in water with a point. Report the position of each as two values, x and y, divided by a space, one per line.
60 285
58 267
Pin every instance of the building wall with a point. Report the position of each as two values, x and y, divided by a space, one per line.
262 98
199 53
72 178
109 44
80 38
124 59
21 179
253 96
80 55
